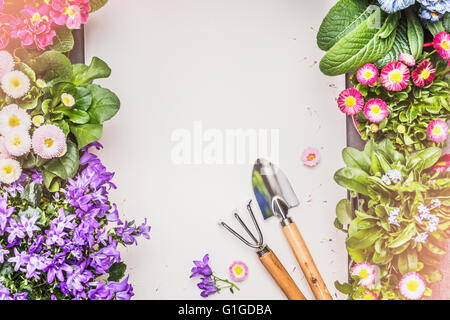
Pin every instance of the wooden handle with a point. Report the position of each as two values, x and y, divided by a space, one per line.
306 262
281 276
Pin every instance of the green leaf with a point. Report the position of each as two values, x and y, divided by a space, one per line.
345 288
86 133
344 212
63 41
52 67
407 262
431 274
97 4
415 33
446 22
353 179
74 115
105 104
429 156
435 27
356 255
48 178
400 45
356 159
363 238
404 236
96 70
117 271
32 193
67 166
434 248
363 44
342 18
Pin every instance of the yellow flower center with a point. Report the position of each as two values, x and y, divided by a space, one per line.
69 11
8 169
425 74
445 45
363 274
16 141
376 109
311 157
436 130
395 76
350 101
15 83
434 14
13 121
48 142
412 285
238 270
35 17
368 74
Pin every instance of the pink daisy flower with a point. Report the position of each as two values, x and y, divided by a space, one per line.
376 110
49 141
423 74
366 273
437 130
442 164
374 128
441 43
395 76
310 157
412 286
368 295
35 27
367 74
71 13
407 59
350 101
238 271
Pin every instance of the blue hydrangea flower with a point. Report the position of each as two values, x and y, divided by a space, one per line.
391 6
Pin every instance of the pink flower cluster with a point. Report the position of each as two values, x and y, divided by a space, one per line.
35 27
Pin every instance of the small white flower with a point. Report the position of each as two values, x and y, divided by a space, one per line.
68 100
432 227
41 83
10 170
436 203
15 84
393 215
38 120
421 237
419 219
386 180
424 211
18 142
13 117
394 175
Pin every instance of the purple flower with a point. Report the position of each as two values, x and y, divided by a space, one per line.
20 258
15 230
77 279
126 232
105 257
21 296
5 213
29 225
36 177
55 235
201 267
2 254
144 230
56 268
123 290
4 293
35 263
17 186
207 286
37 244
100 292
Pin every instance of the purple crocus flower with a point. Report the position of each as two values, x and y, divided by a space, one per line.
15 230
29 224
5 213
20 258
201 267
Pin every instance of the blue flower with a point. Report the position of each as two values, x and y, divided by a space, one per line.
437 6
430 16
391 6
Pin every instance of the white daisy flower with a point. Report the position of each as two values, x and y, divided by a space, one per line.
18 142
10 170
68 100
15 84
6 63
13 117
41 83
38 120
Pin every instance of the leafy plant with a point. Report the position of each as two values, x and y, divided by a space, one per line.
403 213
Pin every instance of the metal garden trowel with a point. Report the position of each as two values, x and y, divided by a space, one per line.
275 196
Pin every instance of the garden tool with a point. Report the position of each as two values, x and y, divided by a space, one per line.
275 196
267 258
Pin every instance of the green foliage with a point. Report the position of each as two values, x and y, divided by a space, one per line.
372 235
63 41
97 4
117 271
